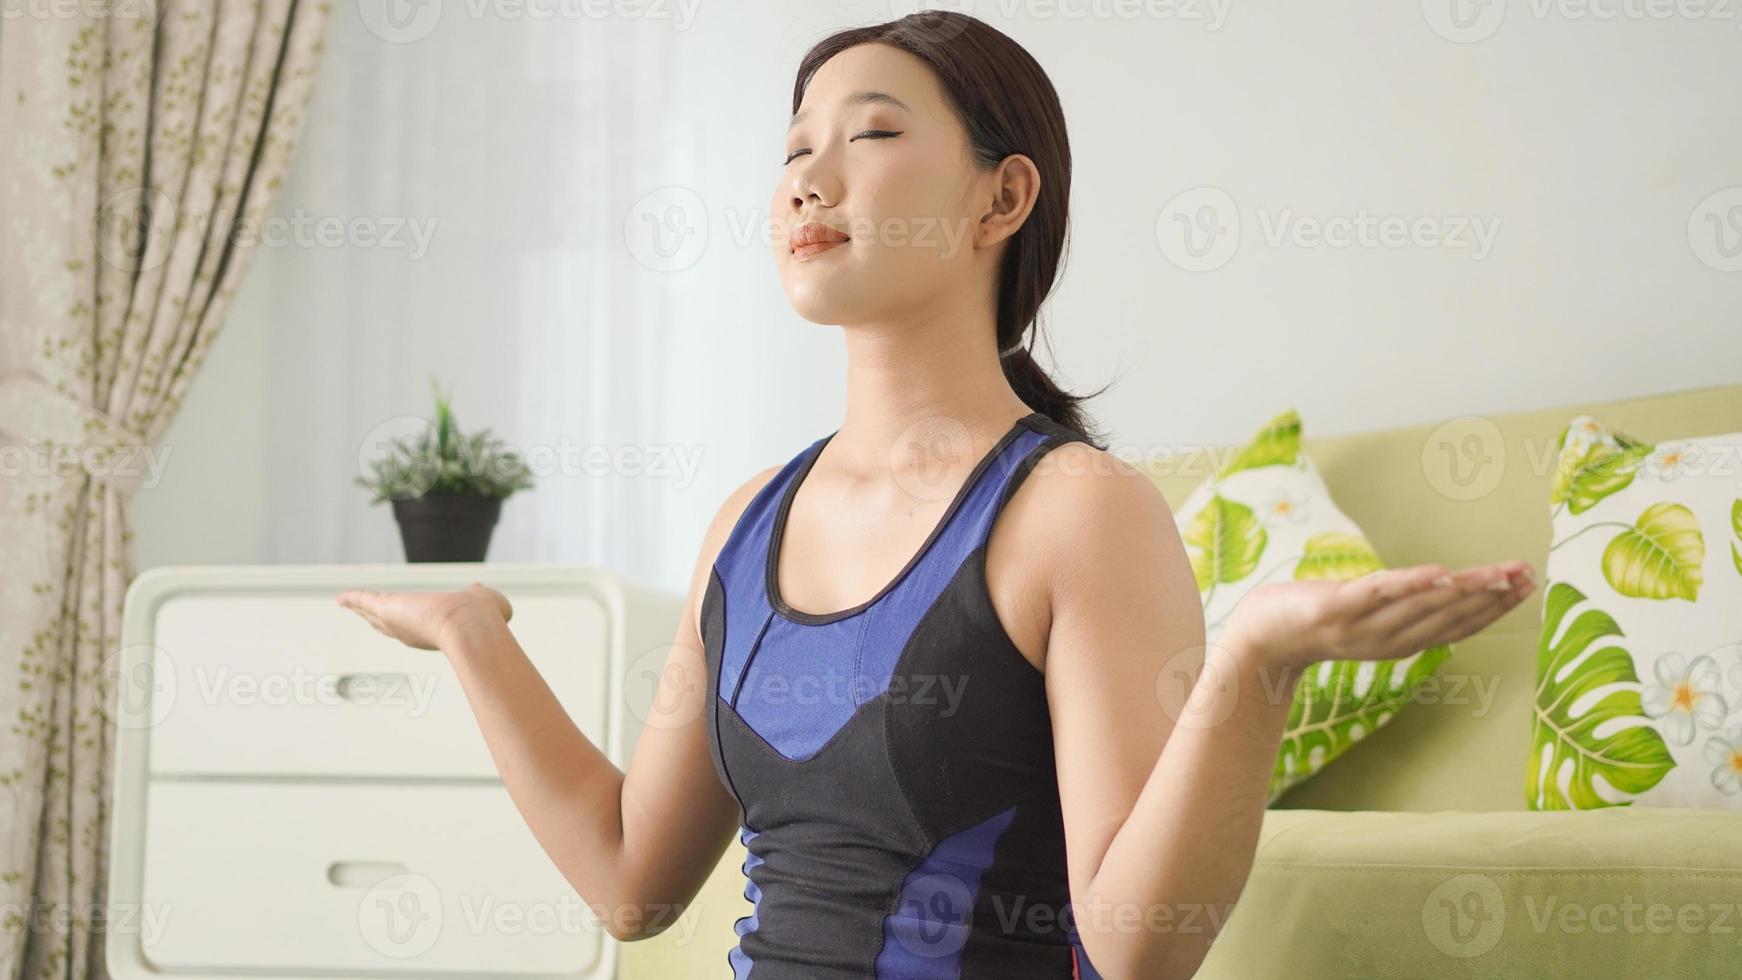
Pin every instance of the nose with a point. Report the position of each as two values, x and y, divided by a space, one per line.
813 197
811 186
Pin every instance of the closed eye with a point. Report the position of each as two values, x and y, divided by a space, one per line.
874 134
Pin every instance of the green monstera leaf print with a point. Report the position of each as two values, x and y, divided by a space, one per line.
1329 714
1331 709
1336 555
1228 540
1277 443
1633 759
1581 481
1660 557
1736 526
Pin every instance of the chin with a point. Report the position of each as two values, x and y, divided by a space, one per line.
817 307
821 299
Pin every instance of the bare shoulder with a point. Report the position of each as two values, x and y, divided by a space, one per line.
732 508
1092 501
1083 526
725 518
1114 557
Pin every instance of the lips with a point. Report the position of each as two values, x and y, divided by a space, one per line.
813 237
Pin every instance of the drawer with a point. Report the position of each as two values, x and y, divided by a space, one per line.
291 683
355 880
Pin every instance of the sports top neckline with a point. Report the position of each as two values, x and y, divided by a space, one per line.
772 577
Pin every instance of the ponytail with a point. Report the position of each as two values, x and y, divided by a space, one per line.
1038 391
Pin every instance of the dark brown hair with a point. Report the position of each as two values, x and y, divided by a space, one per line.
1007 105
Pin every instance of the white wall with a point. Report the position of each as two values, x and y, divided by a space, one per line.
1584 145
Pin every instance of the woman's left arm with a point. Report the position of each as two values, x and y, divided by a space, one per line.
1164 747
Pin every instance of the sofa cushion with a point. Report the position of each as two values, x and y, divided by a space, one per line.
1266 516
1639 664
1621 892
1461 492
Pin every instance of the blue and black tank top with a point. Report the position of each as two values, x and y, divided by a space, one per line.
892 762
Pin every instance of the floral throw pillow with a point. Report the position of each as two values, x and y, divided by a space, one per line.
1639 665
1267 516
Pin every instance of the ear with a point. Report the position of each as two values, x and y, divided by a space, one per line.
1015 186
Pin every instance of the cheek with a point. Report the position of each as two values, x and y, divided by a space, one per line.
924 243
914 224
925 219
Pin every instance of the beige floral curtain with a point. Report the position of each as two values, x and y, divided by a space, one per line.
141 143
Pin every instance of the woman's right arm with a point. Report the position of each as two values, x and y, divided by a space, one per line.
635 846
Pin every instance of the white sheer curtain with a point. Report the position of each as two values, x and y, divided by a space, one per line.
475 187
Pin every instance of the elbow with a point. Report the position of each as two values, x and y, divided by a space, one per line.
622 920
636 927
1165 942
1141 969
621 915
633 920
627 928
1115 957
624 928
631 935
1137 956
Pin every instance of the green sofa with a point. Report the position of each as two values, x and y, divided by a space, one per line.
1412 855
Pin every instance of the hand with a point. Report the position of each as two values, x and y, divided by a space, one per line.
424 619
1383 615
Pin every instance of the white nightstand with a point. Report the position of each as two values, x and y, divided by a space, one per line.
299 796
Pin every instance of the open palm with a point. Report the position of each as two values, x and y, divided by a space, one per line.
420 619
1380 616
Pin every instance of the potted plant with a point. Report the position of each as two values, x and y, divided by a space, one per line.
447 488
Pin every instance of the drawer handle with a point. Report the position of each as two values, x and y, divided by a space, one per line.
373 684
353 873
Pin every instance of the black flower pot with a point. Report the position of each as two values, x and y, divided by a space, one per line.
446 526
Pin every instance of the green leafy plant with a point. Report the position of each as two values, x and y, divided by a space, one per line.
441 459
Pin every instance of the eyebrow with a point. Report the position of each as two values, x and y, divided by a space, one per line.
857 98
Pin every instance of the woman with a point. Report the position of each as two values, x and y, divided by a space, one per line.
943 701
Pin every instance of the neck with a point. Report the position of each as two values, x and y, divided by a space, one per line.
936 382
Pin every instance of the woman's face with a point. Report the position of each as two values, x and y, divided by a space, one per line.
893 172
